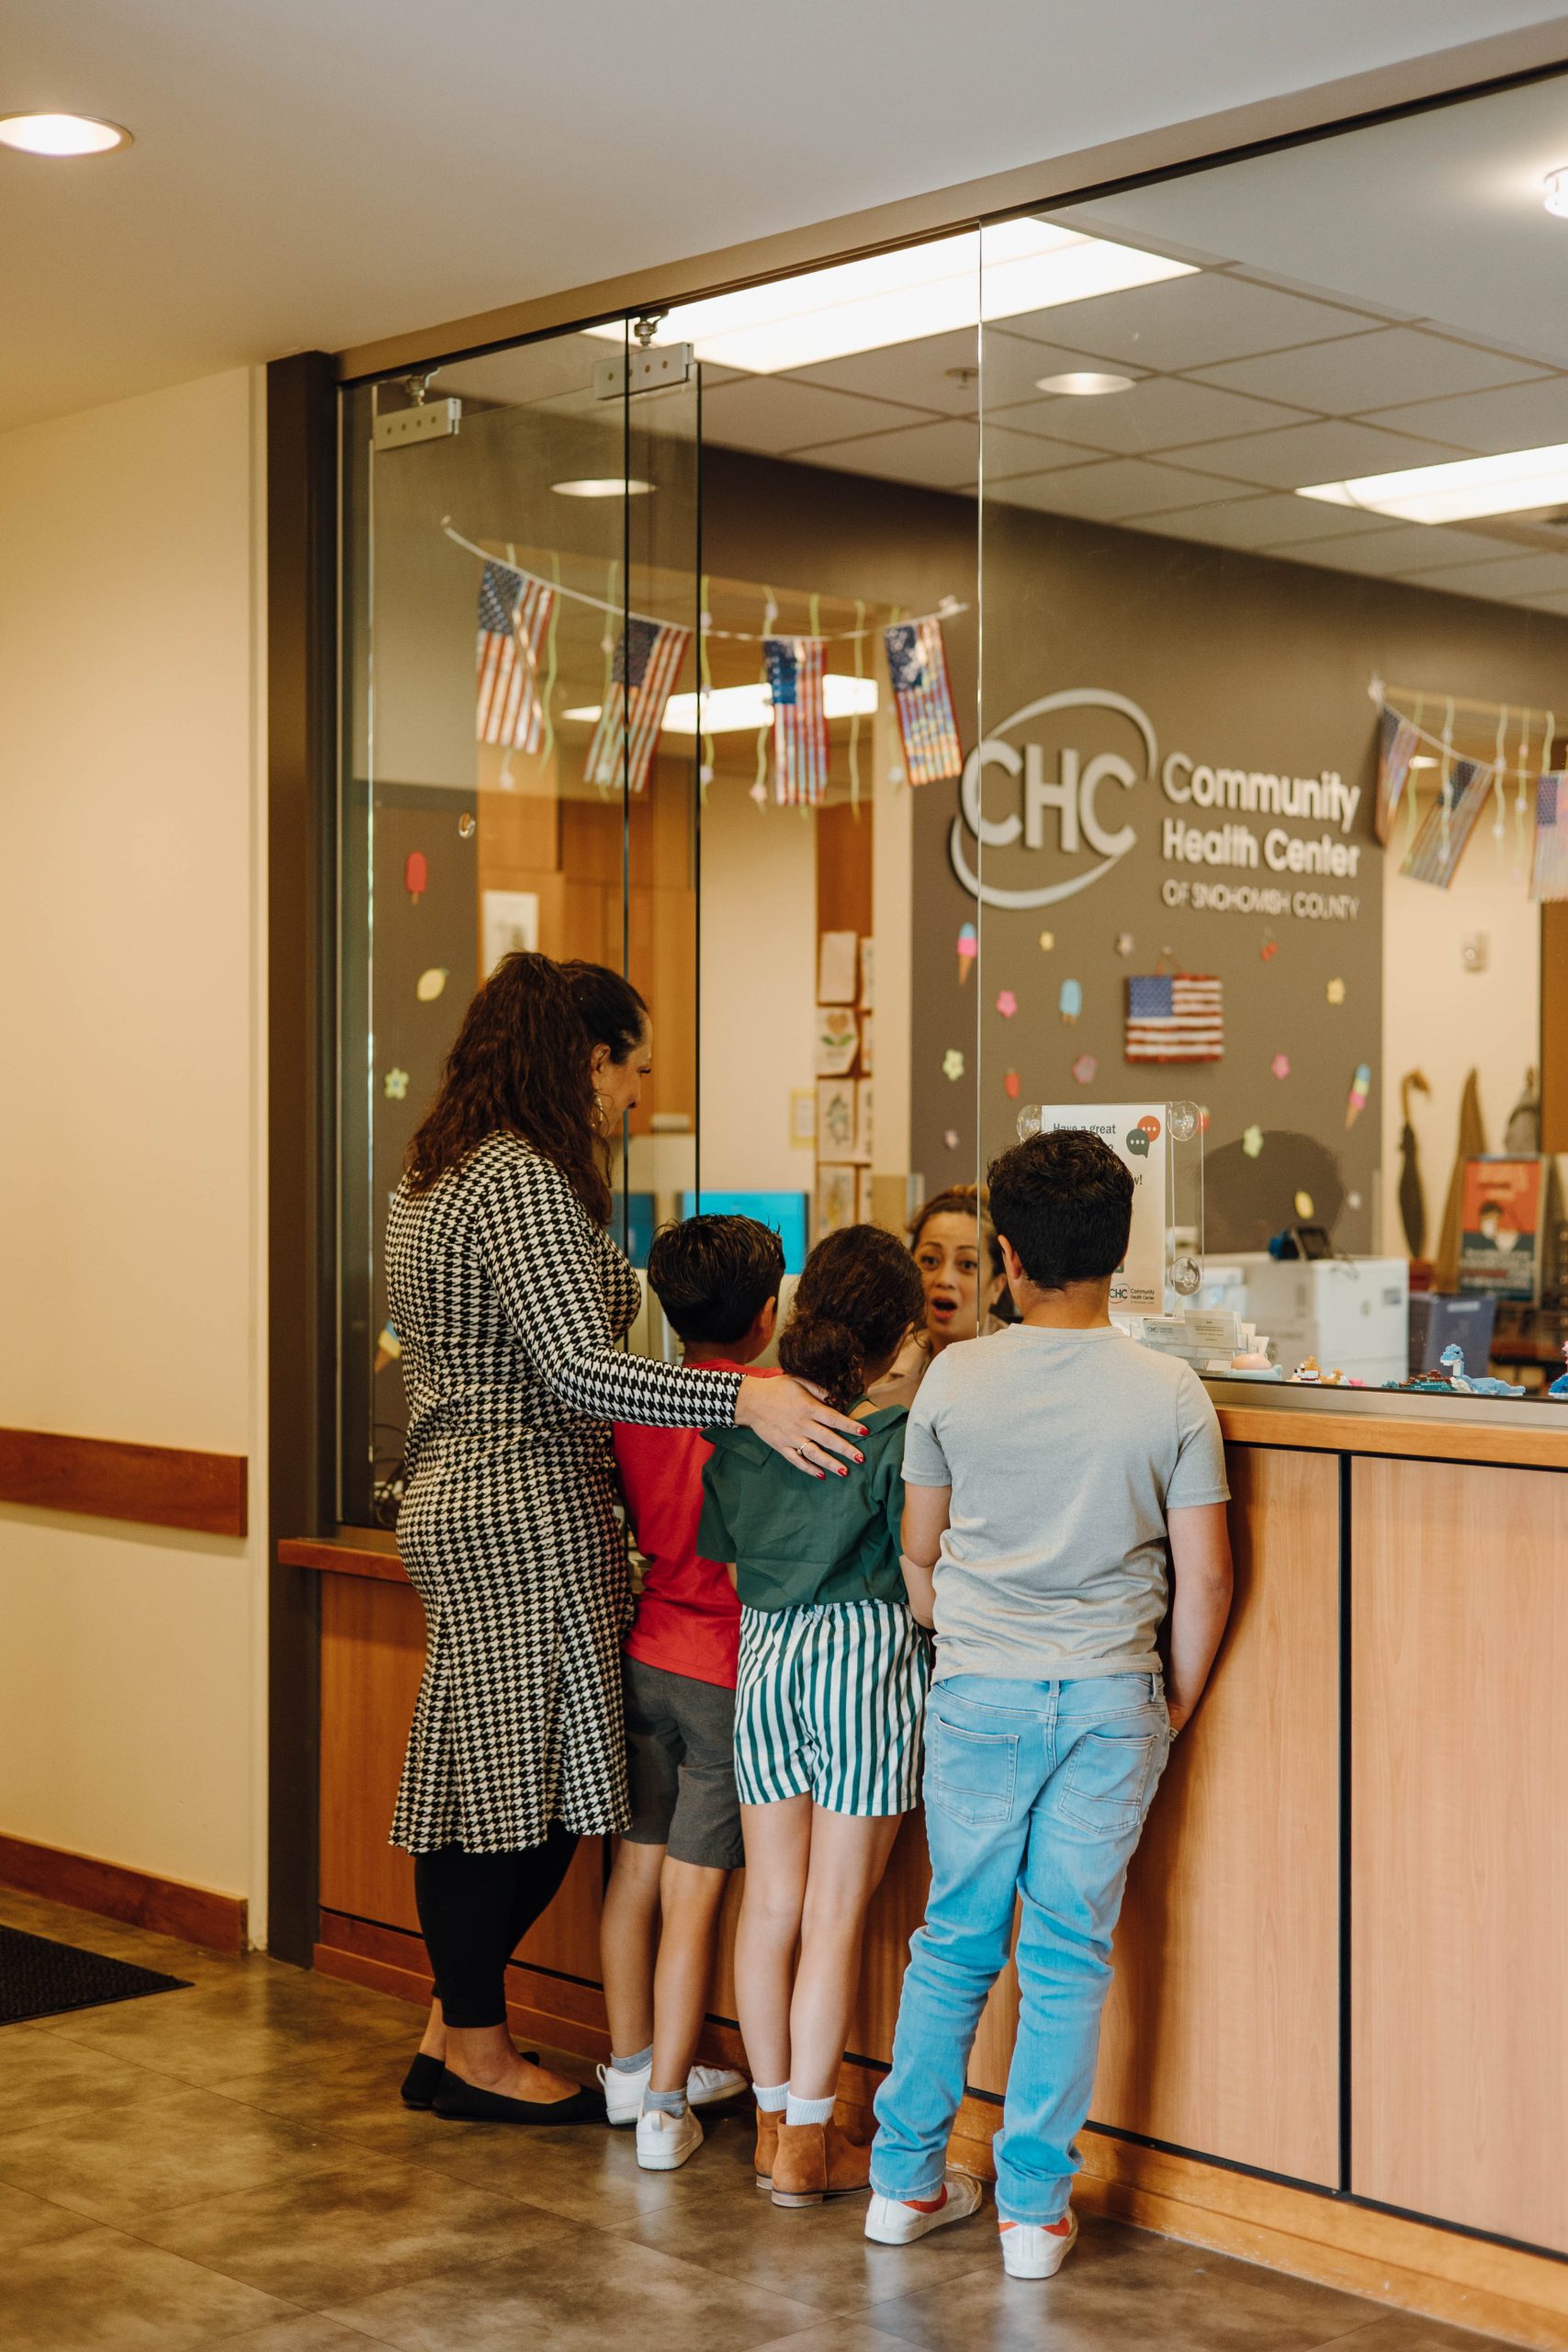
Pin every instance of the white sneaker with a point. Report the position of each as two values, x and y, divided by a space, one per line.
705 2086
664 2142
1032 2251
894 2220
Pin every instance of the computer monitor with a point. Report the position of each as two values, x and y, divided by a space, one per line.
785 1212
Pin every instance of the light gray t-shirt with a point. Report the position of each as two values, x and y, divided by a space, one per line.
1065 1451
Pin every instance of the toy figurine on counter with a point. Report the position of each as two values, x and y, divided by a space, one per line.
1311 1375
1452 1361
1558 1388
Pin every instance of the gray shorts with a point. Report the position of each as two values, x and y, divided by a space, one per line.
680 1762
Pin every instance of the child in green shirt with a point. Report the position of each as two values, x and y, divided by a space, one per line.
828 1705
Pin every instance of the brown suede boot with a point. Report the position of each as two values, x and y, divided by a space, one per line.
818 2160
768 2122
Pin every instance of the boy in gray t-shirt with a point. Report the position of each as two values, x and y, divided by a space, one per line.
1065 1487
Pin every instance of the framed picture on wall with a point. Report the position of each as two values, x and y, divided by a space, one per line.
838 1039
837 1116
838 1198
837 955
1505 1207
509 925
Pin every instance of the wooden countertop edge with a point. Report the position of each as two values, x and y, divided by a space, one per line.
354 1554
1355 1432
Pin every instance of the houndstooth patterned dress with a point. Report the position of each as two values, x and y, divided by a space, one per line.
509 1301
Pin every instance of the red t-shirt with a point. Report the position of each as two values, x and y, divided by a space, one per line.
688 1620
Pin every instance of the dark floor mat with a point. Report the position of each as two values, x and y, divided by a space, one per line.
41 1979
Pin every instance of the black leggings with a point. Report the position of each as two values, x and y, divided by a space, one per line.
474 1911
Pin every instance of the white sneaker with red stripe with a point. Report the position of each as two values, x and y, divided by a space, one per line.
898 2221
1037 2250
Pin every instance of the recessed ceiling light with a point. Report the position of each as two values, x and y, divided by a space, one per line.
1001 272
737 710
1084 384
601 487
61 134
1423 760
1556 199
1509 483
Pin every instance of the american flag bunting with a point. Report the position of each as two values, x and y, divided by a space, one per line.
795 666
647 664
916 667
1445 831
1397 746
1175 1017
514 611
1548 868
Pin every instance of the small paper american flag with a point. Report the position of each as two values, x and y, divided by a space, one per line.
795 666
917 666
1397 746
1446 829
514 613
1175 1017
1549 871
647 664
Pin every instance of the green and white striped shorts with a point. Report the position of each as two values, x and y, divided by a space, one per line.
828 1703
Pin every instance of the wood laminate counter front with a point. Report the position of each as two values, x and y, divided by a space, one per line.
1337 2039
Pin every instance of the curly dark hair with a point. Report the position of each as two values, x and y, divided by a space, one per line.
1065 1204
713 1276
858 1296
521 1062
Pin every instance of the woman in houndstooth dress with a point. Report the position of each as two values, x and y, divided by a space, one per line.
509 1299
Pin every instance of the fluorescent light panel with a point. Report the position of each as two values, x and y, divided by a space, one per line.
1459 491
997 273
736 710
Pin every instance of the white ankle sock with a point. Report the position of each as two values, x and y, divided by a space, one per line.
809 2110
772 2097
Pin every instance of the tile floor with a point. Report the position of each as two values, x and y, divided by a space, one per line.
232 2167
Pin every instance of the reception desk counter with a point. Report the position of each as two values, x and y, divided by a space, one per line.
1337 2040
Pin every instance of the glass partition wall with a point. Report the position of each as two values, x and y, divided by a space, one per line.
522 590
1097 661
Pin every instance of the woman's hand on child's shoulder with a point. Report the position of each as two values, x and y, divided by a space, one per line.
792 1418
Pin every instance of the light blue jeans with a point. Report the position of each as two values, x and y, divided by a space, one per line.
1035 1794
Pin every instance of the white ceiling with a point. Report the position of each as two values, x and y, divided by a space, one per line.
317 173
1384 298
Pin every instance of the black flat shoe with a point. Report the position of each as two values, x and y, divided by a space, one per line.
462 2102
423 2079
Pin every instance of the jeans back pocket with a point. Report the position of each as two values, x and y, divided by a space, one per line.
1110 1780
972 1775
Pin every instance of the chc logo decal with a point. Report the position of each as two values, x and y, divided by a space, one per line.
1074 794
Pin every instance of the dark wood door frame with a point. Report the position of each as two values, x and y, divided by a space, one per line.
302 702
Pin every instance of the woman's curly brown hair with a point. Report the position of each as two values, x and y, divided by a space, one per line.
521 1062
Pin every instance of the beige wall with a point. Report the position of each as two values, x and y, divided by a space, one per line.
758 990
131 1058
1446 1021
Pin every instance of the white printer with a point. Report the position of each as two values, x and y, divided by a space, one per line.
1352 1313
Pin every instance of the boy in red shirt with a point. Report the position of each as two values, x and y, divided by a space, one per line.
717 1280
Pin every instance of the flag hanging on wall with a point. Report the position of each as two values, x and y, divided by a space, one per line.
916 665
514 611
1548 870
1446 829
794 667
647 664
1175 1017
1397 746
